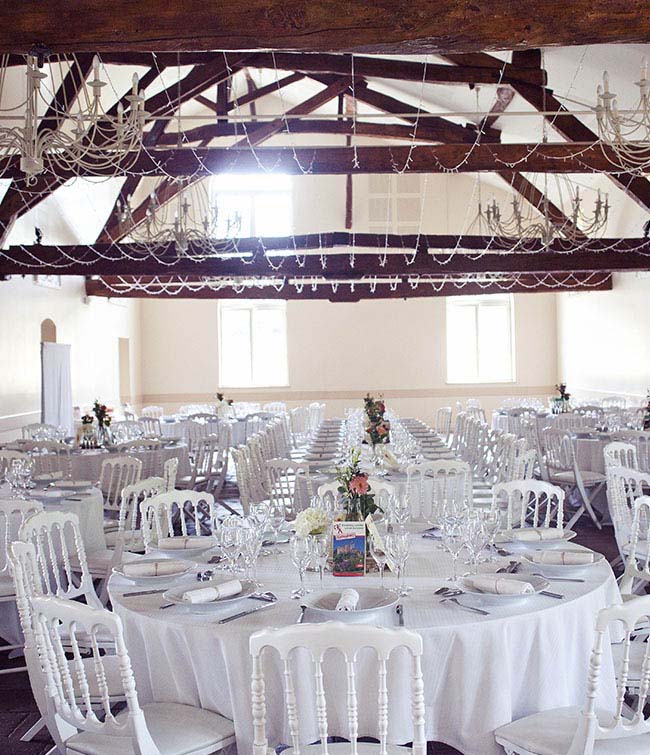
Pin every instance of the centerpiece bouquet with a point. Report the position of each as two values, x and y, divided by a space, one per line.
377 427
312 521
357 498
561 402
224 405
103 416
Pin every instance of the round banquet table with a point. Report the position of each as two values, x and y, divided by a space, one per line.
87 463
89 508
479 672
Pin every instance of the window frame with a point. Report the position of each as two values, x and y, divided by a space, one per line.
251 306
476 302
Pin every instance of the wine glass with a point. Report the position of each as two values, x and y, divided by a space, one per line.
259 513
252 538
476 538
453 538
398 543
378 552
320 548
300 554
229 537
277 518
492 523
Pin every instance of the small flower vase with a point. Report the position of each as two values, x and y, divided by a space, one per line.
104 436
377 458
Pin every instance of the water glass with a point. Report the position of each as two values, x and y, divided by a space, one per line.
252 537
476 538
277 518
230 540
300 555
453 538
260 514
319 550
398 543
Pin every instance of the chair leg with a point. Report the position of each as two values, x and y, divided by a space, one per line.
587 501
33 731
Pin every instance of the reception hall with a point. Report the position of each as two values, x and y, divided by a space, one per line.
325 378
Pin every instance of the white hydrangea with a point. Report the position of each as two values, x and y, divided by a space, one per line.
311 521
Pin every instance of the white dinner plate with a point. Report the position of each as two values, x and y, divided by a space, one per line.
183 568
560 569
490 598
525 545
372 600
175 595
72 484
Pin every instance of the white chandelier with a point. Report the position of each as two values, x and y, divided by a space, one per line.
191 222
97 143
529 222
626 134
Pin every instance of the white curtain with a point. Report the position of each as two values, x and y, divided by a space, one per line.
56 386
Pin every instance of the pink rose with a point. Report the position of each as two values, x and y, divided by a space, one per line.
359 484
381 430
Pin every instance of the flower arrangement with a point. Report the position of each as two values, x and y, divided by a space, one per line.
561 402
87 419
356 495
102 413
378 428
221 398
312 521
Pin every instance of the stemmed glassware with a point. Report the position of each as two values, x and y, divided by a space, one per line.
398 509
453 538
259 513
476 538
319 552
300 554
252 537
277 518
229 537
398 543
378 552
492 523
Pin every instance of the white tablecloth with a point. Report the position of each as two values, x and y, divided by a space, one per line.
87 464
90 510
479 672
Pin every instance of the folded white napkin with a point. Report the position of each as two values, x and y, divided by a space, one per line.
536 533
389 459
570 558
208 594
153 568
348 601
499 585
184 543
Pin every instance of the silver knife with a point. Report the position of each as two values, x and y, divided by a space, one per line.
301 618
144 592
399 608
245 613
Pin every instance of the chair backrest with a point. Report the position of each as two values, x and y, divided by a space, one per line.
152 426
51 456
524 468
57 539
529 502
155 412
170 471
159 513
300 425
433 485
289 483
275 407
54 618
130 500
358 645
241 461
616 724
116 473
624 486
443 422
148 451
6 457
618 402
572 421
329 494
619 454
557 449
637 566
194 432
641 440
14 512
127 430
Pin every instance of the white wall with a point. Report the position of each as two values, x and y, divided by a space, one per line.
337 352
92 329
604 338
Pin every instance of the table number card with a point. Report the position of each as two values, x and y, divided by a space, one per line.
349 549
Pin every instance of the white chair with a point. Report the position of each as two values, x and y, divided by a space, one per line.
242 473
619 454
637 565
62 555
329 494
275 407
300 429
350 640
624 486
432 485
115 474
170 472
587 730
532 503
206 452
443 422
560 467
149 452
51 456
41 431
13 514
127 430
152 426
6 457
128 535
159 513
152 729
289 483
154 412
613 402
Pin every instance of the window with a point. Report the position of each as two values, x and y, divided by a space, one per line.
259 205
252 343
480 343
395 202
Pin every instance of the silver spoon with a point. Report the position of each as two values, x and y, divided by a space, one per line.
466 608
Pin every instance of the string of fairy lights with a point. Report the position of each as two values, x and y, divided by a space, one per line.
206 247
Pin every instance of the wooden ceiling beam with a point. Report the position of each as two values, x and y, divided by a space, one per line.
352 293
421 26
457 255
437 158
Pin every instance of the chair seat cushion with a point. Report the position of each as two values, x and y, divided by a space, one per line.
134 540
175 729
589 478
98 561
551 733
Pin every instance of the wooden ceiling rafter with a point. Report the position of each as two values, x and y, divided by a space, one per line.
344 291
